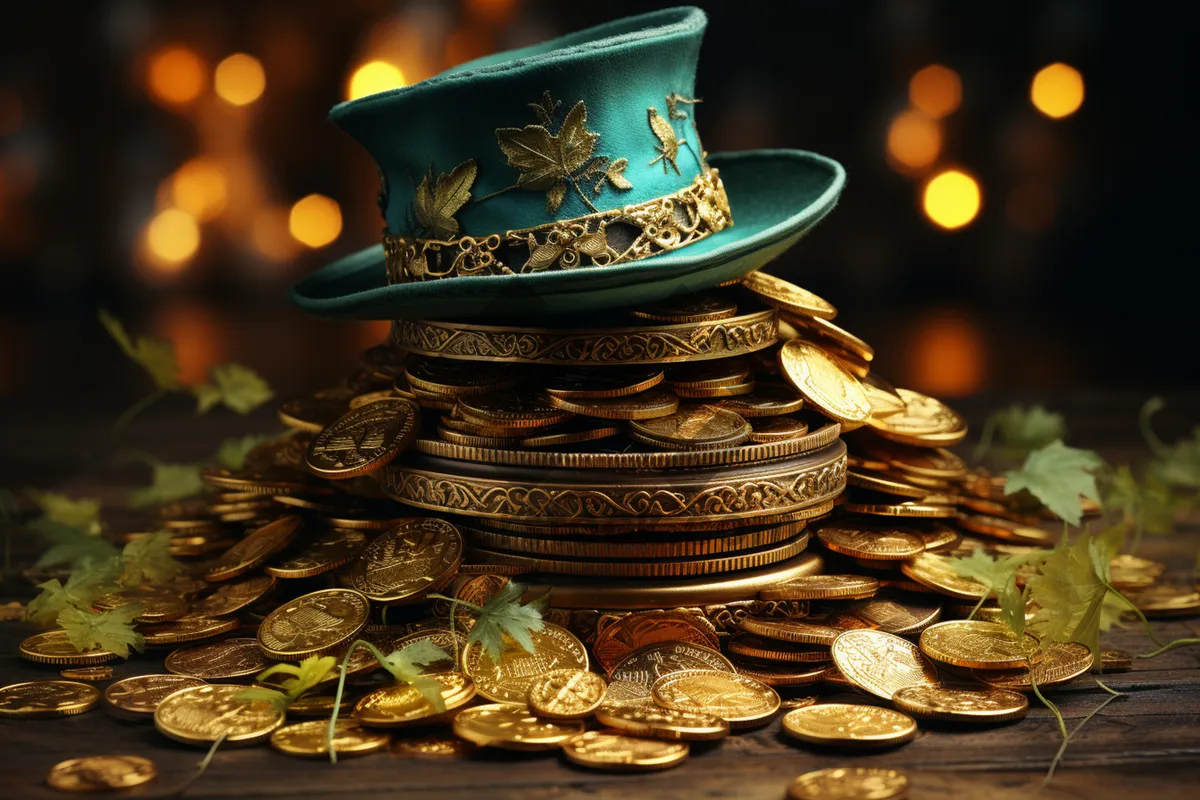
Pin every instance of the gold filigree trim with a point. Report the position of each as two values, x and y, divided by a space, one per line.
602 239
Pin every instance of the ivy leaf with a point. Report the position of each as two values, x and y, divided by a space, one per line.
1176 464
535 152
70 546
110 630
83 587
305 675
503 617
1057 475
261 694
1070 591
405 666
83 513
232 452
238 387
1148 505
170 482
999 574
576 142
546 109
1021 429
437 202
156 356
147 559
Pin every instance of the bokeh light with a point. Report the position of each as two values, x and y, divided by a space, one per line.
372 78
936 90
196 331
951 199
200 187
315 220
947 355
239 80
492 12
914 141
175 75
1057 90
270 235
171 239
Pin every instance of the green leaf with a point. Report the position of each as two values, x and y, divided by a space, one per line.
147 559
999 574
261 694
83 513
232 452
405 664
1176 464
83 587
69 546
503 617
156 356
239 388
1021 429
1058 475
305 675
170 482
111 630
1071 591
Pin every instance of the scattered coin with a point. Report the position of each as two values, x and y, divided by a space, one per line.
436 748
975 706
54 647
400 704
87 673
782 294
188 629
1115 661
101 773
310 739
364 439
925 422
323 553
231 658
566 694
824 383
849 724
636 630
903 617
512 726
692 428
656 402
417 556
821 587
790 630
971 643
662 723
255 549
229 598
201 715
314 624
850 783
507 680
647 664
878 542
1061 663
881 663
937 573
42 699
619 752
739 700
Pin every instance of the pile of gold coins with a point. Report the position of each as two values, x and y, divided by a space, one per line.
716 498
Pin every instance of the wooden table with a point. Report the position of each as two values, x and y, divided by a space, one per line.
1146 744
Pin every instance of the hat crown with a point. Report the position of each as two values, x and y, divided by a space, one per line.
592 121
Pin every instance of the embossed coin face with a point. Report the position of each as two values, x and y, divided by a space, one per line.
399 704
656 402
824 383
137 697
881 663
776 429
508 679
40 699
364 439
566 694
787 296
656 722
849 724
523 409
325 552
767 400
790 630
627 693
925 422
639 629
961 705
188 629
590 383
877 542
821 587
972 643
309 739
229 598
157 604
417 556
647 664
513 727
615 751
694 427
739 700
849 783
255 549
313 624
53 647
200 715
231 658
1060 663
901 615
87 673
101 773
937 573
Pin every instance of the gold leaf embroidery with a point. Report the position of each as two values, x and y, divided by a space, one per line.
437 201
669 143
673 101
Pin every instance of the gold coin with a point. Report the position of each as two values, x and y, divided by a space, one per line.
739 700
314 624
1166 601
513 727
157 604
1005 529
891 615
43 699
566 694
508 679
360 400
849 724
419 555
838 340
1127 562
311 413
255 549
775 651
662 723
937 573
325 552
972 643
101 773
400 704
776 429
627 693
909 510
789 630
923 462
86 673
637 630
824 384
475 440
821 587
618 752
525 409
774 673
586 431
1115 661
881 663
202 714
460 378
961 705
594 383
310 739
884 485
656 402
1061 663
767 400
699 307
692 427
54 647
364 439
644 666
926 422
884 402
877 542
713 392
436 748
849 783
702 374
278 480
787 296
136 698
229 598
231 658
188 629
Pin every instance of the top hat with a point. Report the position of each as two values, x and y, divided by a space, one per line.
563 177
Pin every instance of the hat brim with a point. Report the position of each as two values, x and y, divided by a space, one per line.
776 196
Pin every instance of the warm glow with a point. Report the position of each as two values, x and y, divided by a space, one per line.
270 236
315 220
175 75
200 188
239 79
467 44
492 12
1057 90
1031 206
172 238
914 140
947 355
952 199
197 335
372 78
936 90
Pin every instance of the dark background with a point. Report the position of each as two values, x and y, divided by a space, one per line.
1091 286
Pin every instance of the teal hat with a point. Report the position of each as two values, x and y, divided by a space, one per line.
563 177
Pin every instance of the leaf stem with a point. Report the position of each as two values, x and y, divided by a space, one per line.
337 700
1168 646
985 439
127 417
1112 695
212 751
978 605
454 604
583 197
1145 622
495 194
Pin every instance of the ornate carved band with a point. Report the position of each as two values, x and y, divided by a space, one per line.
631 233
587 623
